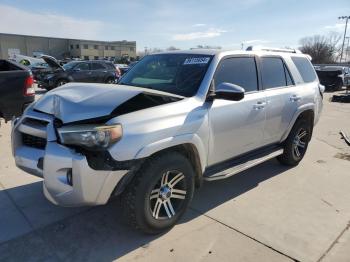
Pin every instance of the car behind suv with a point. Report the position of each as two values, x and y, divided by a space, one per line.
176 119
77 71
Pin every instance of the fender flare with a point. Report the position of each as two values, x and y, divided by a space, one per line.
300 110
192 139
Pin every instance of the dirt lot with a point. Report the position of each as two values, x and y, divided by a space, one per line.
268 213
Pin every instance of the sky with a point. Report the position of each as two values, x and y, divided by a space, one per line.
179 23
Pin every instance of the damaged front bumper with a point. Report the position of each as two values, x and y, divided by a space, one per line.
68 178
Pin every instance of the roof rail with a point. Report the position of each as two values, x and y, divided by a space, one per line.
272 49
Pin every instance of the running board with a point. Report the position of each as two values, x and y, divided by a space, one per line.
242 165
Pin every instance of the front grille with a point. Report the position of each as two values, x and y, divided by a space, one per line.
33 141
35 122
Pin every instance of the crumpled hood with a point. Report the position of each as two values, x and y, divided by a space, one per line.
79 101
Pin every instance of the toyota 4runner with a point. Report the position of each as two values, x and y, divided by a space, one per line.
174 120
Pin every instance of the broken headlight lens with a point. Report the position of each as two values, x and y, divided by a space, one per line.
90 136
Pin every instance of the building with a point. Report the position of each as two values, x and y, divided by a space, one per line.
64 48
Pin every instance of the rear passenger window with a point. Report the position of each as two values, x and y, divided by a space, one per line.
305 69
273 72
239 71
97 66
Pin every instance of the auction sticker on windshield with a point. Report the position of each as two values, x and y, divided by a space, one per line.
196 60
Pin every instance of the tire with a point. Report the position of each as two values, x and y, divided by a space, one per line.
296 143
339 86
146 199
110 81
61 82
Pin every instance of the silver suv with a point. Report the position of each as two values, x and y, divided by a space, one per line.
174 120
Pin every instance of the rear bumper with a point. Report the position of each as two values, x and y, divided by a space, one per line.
54 162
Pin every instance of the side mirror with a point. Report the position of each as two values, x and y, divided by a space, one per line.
229 91
76 69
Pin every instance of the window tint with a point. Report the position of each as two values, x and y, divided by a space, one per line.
82 66
239 71
97 66
305 69
272 71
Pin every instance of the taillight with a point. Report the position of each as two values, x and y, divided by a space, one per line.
29 89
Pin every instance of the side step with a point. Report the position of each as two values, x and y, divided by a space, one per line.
242 164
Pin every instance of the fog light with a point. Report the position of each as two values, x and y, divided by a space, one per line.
70 177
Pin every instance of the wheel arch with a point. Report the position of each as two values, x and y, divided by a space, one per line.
189 145
307 112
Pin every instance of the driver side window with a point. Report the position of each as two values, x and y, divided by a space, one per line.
83 66
239 71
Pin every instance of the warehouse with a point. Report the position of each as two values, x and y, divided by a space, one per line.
60 48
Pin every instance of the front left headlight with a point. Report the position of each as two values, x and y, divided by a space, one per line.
90 136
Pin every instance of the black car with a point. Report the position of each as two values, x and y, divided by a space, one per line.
77 71
334 77
16 89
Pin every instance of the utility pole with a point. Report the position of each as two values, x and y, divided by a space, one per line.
346 25
347 49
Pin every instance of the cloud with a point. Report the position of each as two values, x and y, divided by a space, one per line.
199 25
17 21
338 27
210 33
256 41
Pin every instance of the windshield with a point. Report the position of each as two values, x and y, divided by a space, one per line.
180 74
69 65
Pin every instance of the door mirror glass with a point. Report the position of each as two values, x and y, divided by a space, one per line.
229 91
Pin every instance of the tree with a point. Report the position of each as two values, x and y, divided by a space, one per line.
322 49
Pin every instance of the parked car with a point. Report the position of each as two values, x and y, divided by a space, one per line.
174 120
123 68
334 77
77 71
16 89
40 70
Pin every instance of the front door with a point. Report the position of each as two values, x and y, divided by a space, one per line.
236 127
82 73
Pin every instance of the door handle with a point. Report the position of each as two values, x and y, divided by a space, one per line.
259 105
295 98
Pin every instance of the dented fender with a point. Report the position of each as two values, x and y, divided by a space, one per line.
193 139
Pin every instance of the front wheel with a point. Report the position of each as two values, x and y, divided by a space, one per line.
110 81
296 143
160 193
61 82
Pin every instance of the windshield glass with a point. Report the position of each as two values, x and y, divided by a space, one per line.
180 74
69 65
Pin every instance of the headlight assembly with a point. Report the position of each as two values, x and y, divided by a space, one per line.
90 136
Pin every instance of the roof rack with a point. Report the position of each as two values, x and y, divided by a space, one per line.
259 48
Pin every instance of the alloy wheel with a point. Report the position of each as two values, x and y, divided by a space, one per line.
299 143
167 197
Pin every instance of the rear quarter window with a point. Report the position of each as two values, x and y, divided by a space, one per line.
305 69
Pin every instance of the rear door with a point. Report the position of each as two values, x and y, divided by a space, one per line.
236 127
283 97
99 72
82 73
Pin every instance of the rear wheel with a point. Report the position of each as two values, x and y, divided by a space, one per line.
296 143
159 194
